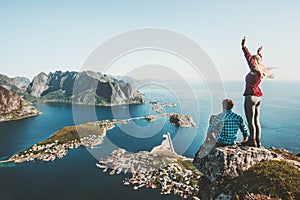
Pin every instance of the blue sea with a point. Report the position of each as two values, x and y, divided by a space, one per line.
76 177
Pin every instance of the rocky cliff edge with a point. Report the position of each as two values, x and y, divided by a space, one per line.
237 172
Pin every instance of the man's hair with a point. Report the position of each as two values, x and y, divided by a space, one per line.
227 104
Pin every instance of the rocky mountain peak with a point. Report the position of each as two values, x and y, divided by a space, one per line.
12 106
38 85
21 82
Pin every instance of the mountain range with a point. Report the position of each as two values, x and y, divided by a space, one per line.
85 87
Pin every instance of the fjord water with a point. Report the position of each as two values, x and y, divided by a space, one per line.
76 176
73 177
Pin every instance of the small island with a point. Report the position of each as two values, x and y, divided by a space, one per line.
181 120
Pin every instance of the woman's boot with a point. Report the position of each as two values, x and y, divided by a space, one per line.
258 144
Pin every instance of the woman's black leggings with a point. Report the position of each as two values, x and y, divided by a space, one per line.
252 111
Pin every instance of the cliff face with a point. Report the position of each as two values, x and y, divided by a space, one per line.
12 106
38 85
83 87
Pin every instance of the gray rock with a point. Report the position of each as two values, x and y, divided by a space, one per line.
223 166
231 161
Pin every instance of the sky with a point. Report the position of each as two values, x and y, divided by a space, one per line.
38 36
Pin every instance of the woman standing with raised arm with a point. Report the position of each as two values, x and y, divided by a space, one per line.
253 93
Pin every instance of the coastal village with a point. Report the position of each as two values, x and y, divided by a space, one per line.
161 168
52 151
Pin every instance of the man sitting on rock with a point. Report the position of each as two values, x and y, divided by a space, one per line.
226 124
222 130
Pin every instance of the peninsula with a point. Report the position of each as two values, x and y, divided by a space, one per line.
57 145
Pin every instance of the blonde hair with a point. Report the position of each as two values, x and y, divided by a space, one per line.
259 67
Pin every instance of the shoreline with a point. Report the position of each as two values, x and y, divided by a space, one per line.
22 117
41 101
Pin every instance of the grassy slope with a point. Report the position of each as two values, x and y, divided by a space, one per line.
279 179
69 133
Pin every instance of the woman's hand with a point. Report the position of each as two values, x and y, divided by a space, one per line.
259 50
243 42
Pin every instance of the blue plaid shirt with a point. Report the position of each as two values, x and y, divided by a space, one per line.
226 125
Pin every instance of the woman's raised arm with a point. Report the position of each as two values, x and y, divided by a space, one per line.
247 53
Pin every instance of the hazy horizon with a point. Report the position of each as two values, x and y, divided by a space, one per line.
154 78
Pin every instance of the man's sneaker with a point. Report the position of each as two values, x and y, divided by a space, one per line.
250 143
